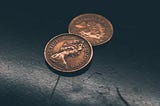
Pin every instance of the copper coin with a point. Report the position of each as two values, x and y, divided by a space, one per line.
95 28
68 52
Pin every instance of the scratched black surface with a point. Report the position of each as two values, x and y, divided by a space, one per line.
130 62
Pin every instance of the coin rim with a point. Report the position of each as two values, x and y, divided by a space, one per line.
110 24
75 70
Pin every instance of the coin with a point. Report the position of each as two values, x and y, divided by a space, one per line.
68 52
95 28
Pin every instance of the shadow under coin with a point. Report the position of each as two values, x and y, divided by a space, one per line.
70 74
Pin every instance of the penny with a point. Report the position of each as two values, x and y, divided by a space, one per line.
68 52
93 27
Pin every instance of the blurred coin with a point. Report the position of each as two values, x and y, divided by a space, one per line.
95 28
68 52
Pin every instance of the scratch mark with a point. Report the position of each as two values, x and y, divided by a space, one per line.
8 67
122 98
98 73
88 77
54 88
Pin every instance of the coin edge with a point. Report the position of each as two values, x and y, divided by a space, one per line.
110 24
62 34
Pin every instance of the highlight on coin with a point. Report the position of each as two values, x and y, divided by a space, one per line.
95 28
68 52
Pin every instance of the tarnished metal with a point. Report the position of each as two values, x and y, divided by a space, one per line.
95 28
68 52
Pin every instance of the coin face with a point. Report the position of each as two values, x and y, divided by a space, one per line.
93 27
68 52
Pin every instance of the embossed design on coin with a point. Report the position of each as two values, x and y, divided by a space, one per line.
91 30
68 52
95 28
69 48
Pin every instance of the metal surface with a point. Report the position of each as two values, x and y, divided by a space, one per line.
93 27
68 52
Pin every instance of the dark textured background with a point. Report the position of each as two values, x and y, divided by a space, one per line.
130 61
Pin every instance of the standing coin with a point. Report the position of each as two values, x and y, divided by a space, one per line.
68 52
95 28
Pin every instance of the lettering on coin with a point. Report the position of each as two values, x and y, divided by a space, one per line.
93 27
68 52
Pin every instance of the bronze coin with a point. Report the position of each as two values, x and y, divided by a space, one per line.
95 28
68 52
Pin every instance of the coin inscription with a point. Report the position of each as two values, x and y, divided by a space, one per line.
68 52
95 28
